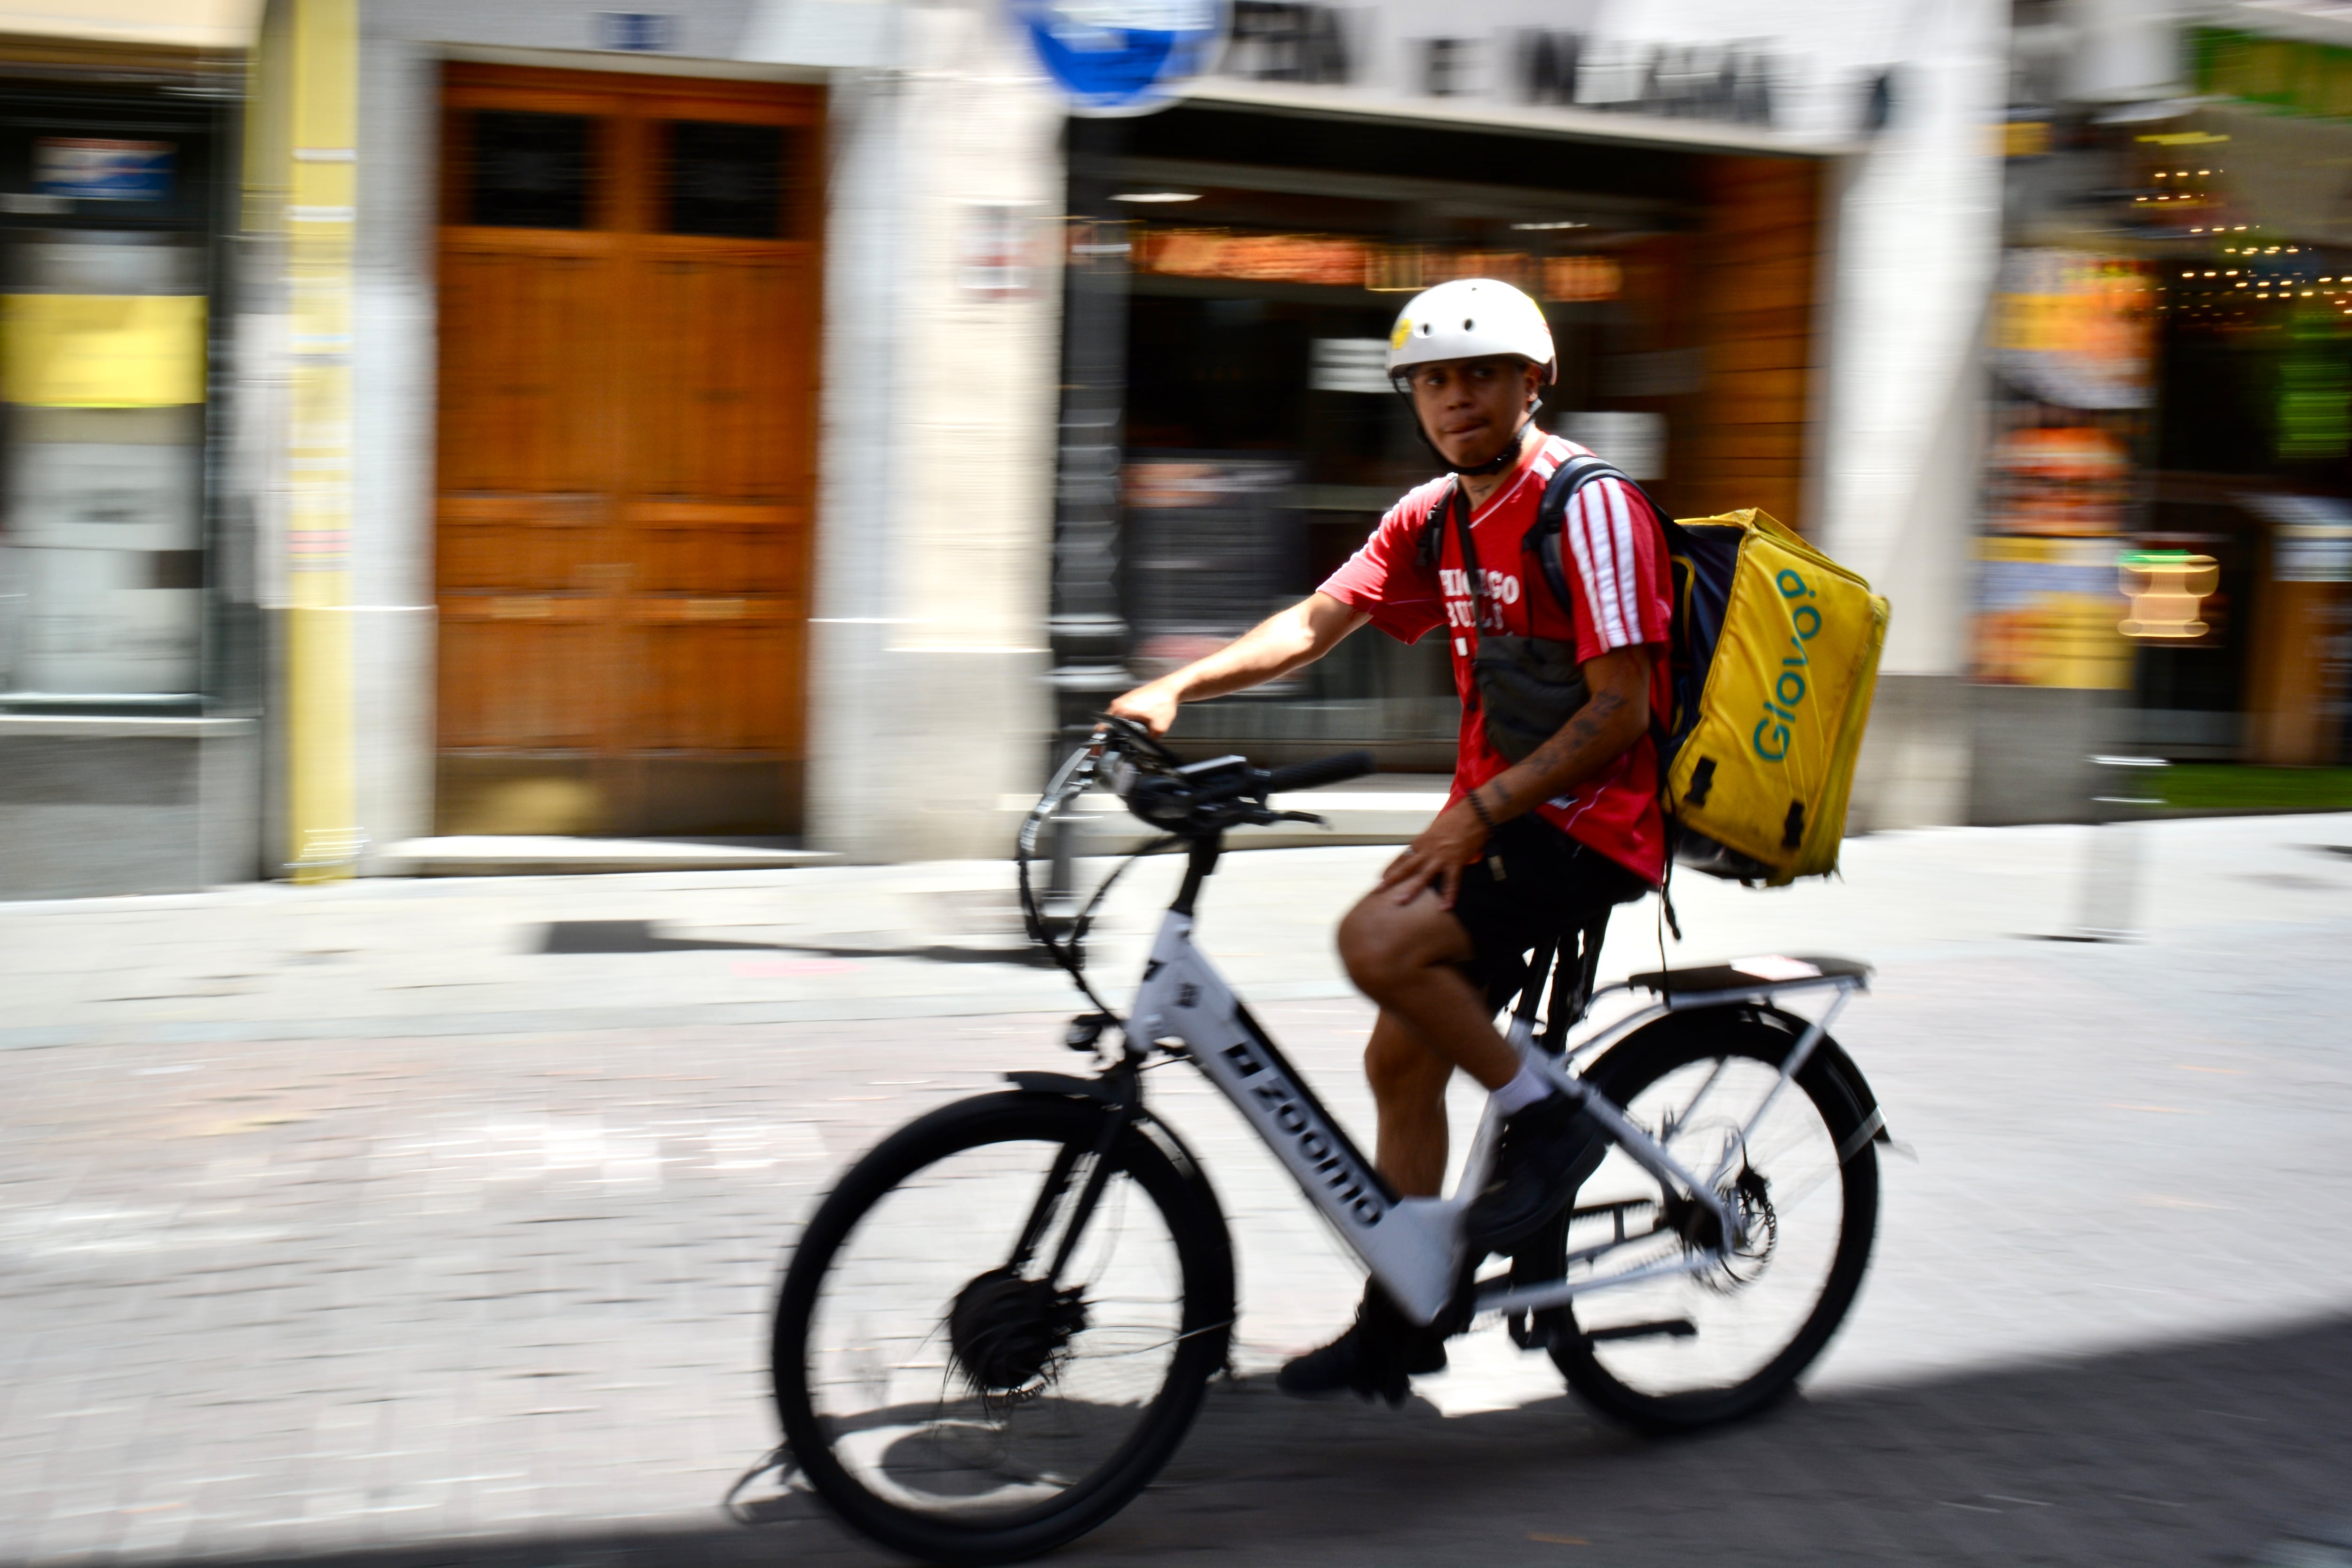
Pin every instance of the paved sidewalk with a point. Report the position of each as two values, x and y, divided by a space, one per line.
411 1241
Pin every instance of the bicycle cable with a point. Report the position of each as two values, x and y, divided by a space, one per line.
1072 780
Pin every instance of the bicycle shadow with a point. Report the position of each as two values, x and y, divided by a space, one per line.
2185 1454
2236 1451
2227 1451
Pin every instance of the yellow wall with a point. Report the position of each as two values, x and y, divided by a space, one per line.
306 90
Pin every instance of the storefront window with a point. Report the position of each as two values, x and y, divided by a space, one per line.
1262 440
2171 485
103 325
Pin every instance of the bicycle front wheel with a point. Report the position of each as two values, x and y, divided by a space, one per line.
1688 1350
946 1392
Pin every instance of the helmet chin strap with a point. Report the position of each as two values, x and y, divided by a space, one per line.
1493 464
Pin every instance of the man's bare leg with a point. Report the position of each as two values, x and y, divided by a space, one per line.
1406 957
1408 1082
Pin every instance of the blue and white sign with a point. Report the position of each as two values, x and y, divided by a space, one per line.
86 169
1121 56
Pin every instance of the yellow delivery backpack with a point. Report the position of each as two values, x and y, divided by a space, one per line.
1774 658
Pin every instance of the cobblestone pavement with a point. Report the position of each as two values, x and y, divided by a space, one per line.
496 1293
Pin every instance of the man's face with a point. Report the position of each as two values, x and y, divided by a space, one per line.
1471 407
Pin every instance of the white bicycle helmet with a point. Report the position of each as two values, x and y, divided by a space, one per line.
1469 318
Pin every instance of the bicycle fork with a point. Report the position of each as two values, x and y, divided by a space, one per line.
1043 1216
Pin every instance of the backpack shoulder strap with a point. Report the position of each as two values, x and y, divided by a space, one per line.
1543 540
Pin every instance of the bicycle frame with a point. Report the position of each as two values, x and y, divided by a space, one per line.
1413 1245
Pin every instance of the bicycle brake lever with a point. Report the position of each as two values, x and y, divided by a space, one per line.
1298 817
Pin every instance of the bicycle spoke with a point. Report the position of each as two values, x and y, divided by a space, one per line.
1737 1314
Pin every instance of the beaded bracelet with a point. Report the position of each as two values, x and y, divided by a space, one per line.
1480 807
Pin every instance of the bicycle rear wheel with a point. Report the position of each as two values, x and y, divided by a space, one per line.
1692 1350
942 1395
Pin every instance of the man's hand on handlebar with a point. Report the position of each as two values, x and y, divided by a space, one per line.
1152 705
1453 840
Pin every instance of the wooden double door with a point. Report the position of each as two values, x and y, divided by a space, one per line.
629 268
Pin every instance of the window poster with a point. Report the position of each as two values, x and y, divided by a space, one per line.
2072 351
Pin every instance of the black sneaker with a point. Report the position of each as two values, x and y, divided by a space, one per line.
1373 1359
1548 1149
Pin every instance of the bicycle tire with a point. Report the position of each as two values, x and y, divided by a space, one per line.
1764 1036
1160 1167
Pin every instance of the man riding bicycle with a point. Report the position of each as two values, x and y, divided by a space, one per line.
1523 851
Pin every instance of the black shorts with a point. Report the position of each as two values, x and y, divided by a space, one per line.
1550 886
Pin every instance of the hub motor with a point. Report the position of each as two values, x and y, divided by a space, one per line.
1008 1334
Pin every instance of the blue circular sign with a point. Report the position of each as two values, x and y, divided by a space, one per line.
1121 56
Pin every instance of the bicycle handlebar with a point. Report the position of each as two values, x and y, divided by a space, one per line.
1197 799
1323 771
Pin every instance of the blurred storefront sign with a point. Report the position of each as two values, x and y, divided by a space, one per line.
1342 262
1635 442
1779 78
2075 327
102 350
2311 537
94 169
2072 345
2047 614
998 243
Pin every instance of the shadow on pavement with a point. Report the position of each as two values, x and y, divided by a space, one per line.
2231 1452
615 936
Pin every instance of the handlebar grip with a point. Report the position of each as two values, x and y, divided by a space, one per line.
1322 771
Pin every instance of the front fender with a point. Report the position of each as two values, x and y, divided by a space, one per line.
1069 1085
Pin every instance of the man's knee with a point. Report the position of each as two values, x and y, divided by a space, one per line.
1382 942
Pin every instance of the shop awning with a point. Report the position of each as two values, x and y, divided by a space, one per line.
177 24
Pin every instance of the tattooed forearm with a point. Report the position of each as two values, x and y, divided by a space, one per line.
1580 736
1612 719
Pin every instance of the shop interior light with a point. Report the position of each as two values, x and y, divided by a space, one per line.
1157 196
1563 223
2167 589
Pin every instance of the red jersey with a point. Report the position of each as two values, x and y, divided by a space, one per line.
1616 558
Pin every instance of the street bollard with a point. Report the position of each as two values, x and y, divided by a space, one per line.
2122 801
